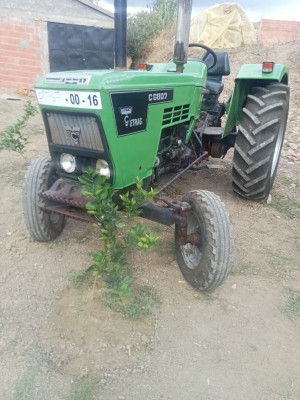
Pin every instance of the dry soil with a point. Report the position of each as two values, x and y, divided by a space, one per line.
239 342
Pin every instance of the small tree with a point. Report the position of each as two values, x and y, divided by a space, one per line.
144 26
111 261
166 10
12 138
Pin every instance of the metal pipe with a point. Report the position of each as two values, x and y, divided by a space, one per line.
184 11
120 33
162 215
204 155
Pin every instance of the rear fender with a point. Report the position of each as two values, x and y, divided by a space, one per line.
250 75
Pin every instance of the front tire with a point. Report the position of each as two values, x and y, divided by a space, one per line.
206 264
43 226
259 141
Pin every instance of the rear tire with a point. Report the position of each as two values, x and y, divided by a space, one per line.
259 141
206 265
42 226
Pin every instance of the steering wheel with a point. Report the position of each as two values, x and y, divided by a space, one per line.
205 55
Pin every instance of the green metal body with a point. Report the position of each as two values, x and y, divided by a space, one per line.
249 75
133 154
157 99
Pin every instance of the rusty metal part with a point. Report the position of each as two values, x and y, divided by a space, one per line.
67 211
65 198
202 157
172 215
216 150
192 238
163 215
65 192
183 237
177 205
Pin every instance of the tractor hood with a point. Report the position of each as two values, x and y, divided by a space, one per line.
118 80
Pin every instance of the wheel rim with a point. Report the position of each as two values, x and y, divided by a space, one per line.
54 218
277 150
192 254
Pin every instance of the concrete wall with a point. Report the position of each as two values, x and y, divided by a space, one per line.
24 39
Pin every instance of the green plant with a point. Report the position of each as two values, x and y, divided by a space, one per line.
111 261
140 304
82 389
77 278
144 26
289 208
166 10
12 138
292 305
24 388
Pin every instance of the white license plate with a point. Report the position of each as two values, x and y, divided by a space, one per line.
68 98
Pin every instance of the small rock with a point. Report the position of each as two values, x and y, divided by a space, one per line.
233 286
293 146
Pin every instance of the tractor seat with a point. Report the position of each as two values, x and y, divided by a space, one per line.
214 86
214 75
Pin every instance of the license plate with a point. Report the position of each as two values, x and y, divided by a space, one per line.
70 99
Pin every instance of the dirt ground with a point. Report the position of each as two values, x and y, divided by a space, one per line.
241 341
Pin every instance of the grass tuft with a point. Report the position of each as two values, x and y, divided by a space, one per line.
292 306
78 279
287 207
142 303
82 389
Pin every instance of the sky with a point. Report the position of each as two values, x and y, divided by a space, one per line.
255 9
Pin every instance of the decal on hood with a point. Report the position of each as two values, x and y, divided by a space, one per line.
131 108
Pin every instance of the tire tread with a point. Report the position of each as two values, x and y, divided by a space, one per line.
258 144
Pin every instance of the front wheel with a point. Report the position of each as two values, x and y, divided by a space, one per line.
259 141
206 264
43 226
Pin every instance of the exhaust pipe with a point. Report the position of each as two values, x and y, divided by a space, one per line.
184 11
120 33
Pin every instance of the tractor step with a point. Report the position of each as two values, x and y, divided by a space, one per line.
213 131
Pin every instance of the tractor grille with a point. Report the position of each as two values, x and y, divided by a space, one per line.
174 115
74 130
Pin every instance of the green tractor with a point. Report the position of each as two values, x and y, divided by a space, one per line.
161 119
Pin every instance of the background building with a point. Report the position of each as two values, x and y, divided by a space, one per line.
37 37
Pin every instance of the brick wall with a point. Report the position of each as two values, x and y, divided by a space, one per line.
273 32
20 55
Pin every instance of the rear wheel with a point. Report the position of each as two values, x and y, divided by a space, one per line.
43 226
259 141
206 264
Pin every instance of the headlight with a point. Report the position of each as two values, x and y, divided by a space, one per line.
103 168
68 162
